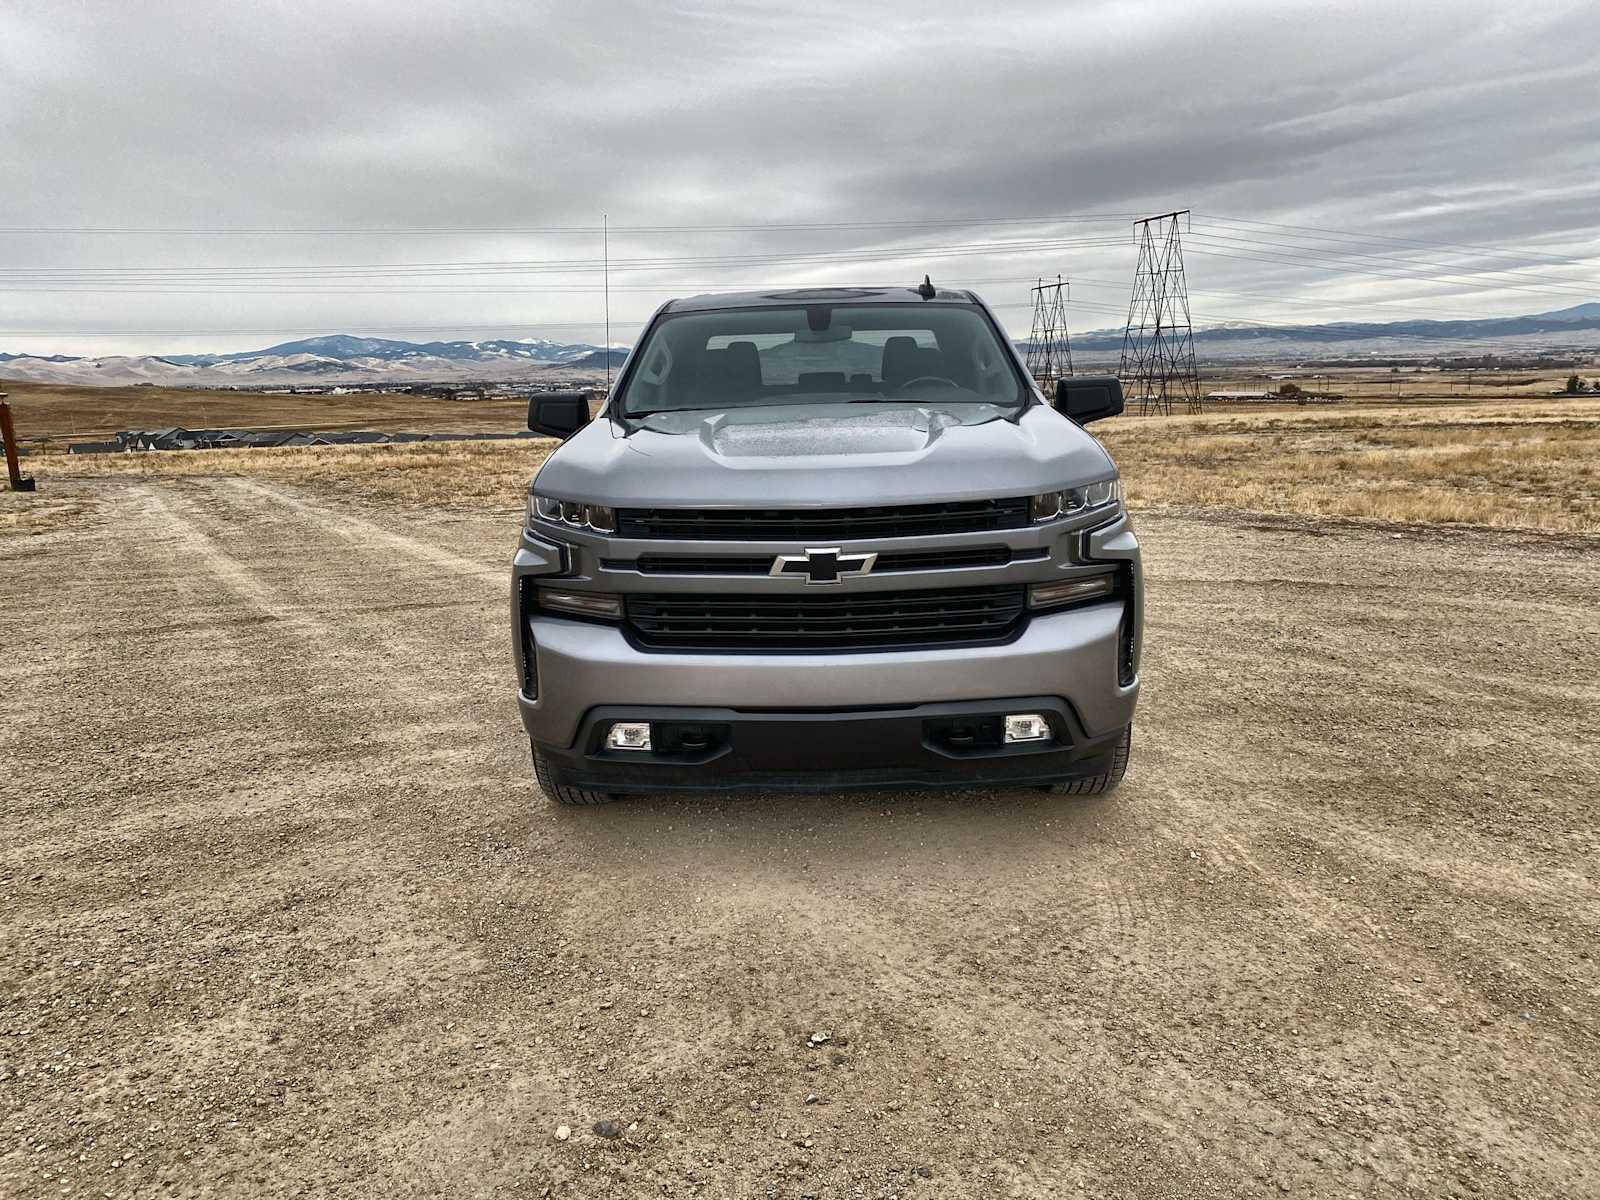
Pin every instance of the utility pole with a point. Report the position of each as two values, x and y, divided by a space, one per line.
8 432
1049 347
1158 345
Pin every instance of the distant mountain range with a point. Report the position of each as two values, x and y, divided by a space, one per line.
342 358
338 358
1578 326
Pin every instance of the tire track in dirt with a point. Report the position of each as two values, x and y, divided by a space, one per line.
206 533
361 532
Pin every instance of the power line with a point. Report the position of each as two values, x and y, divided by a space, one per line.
1311 265
580 230
1379 237
1325 254
271 330
23 276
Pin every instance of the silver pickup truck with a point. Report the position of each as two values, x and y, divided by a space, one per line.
828 538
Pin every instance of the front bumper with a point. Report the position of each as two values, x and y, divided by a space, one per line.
1083 661
925 745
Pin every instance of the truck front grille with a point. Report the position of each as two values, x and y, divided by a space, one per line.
819 624
761 564
830 524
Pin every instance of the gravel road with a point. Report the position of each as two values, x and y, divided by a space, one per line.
284 914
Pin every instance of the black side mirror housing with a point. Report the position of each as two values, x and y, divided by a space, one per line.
558 414
1085 398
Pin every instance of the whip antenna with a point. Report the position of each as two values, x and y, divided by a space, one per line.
605 258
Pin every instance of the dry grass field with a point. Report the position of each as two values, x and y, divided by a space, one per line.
64 413
73 413
1528 466
1518 466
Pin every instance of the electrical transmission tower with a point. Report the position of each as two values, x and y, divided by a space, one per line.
1158 347
1049 348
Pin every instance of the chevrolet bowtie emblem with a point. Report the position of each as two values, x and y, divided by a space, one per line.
823 565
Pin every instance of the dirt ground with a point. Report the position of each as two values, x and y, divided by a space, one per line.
283 913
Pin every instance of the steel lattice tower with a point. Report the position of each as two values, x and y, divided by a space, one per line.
1158 347
1049 347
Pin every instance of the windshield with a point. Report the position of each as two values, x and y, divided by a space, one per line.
755 357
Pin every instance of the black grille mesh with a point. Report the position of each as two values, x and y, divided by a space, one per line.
834 524
821 623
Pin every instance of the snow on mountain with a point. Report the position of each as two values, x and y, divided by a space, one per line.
332 358
343 358
114 371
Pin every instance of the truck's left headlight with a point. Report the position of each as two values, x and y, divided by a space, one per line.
600 518
1069 502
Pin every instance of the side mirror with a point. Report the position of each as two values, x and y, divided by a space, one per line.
1085 398
558 414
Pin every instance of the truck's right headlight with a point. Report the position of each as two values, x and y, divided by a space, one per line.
1069 502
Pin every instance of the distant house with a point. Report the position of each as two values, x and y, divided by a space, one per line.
219 439
269 440
94 447
173 437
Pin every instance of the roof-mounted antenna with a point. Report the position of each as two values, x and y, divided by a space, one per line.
927 291
605 253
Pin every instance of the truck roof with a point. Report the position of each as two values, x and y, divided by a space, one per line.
818 295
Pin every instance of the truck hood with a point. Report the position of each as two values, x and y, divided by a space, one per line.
822 455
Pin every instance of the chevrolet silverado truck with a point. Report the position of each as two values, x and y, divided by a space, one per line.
828 538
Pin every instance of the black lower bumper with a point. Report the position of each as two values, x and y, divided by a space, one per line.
927 745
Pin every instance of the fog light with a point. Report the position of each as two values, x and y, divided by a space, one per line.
1027 727
629 735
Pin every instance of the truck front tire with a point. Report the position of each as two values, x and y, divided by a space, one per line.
1096 785
560 792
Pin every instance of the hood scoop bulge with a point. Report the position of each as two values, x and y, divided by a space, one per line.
903 431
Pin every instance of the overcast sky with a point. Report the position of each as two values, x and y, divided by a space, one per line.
435 139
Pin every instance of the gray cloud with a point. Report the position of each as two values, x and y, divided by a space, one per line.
1461 123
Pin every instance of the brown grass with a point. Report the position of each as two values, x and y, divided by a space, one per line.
1527 466
39 512
73 413
431 474
1523 465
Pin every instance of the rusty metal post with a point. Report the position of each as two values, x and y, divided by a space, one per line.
19 481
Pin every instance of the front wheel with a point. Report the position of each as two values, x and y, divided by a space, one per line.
1095 785
560 792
